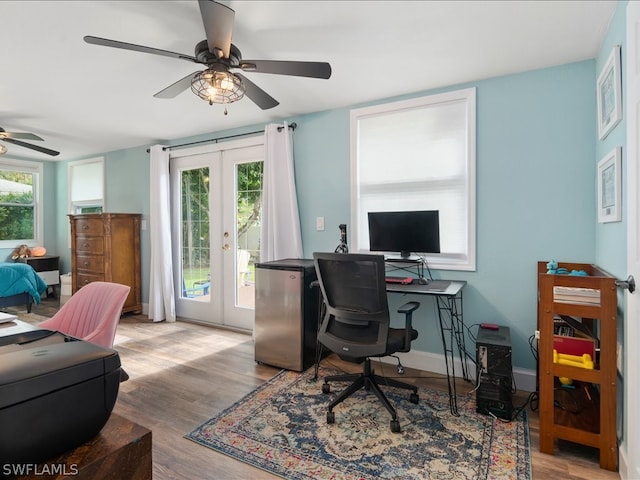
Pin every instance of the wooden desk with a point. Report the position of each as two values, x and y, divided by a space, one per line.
122 449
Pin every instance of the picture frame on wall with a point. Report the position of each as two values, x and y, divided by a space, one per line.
609 187
609 99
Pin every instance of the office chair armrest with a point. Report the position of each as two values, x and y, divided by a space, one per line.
407 309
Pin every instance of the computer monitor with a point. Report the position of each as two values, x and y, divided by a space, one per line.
405 232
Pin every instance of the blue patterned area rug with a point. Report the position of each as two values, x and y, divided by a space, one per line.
281 427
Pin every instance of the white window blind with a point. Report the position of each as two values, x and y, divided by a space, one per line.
86 183
418 155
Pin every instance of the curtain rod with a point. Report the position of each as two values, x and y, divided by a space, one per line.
291 126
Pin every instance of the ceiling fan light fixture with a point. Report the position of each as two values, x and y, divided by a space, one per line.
3 149
216 86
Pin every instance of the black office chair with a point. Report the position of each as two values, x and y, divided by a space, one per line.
356 323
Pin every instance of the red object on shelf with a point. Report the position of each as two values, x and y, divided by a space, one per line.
574 345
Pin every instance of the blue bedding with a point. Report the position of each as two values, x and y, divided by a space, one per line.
16 278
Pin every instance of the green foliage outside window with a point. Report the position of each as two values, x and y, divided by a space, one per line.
195 210
16 206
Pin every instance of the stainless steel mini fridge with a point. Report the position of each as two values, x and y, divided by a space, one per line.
286 315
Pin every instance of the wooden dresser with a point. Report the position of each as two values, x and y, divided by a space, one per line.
106 247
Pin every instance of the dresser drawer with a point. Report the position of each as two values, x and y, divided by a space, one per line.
93 245
89 226
83 279
90 263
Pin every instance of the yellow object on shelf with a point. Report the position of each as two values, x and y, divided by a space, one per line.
581 361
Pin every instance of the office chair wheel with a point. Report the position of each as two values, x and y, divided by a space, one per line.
331 417
395 426
326 388
414 398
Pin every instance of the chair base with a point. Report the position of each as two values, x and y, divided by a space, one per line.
371 382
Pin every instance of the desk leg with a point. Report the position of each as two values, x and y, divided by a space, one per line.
452 335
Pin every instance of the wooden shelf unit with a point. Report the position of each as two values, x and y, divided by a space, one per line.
594 424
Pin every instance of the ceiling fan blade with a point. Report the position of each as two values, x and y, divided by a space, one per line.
105 42
37 148
176 88
257 95
21 135
218 24
298 69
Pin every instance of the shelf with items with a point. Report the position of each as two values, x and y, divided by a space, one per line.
591 390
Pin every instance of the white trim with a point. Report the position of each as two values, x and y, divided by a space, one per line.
442 261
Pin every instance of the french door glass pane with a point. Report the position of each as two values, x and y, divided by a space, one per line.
196 277
248 216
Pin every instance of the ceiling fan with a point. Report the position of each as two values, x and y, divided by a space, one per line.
11 137
217 83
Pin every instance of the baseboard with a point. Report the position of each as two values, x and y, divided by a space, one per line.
623 463
525 379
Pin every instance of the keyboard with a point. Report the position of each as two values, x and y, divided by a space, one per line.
400 280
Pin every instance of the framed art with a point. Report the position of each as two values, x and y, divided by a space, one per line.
609 184
608 94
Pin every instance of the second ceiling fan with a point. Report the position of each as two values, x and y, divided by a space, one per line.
16 138
220 82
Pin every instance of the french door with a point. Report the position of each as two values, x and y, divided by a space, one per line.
216 204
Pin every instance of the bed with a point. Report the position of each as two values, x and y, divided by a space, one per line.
20 285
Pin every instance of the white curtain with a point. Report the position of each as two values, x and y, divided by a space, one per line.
281 236
161 291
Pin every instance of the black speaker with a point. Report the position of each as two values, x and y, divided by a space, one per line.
493 356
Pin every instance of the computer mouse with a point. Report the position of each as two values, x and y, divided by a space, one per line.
423 281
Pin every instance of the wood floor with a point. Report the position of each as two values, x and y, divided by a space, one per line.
182 374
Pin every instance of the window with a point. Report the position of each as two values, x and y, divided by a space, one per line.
86 186
20 207
418 154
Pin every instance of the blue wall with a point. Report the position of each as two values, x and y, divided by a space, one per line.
535 192
611 240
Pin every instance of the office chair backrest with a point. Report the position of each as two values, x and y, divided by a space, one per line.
92 313
356 321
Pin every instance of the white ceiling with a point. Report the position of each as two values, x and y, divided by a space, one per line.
87 99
